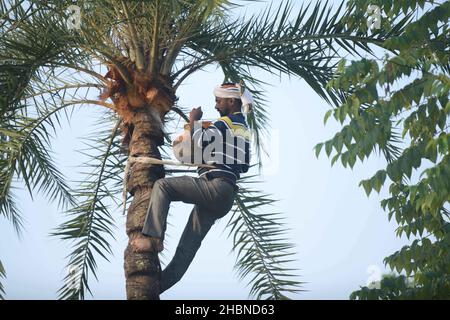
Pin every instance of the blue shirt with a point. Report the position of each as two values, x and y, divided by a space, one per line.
226 145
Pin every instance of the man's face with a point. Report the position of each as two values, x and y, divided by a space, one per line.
223 106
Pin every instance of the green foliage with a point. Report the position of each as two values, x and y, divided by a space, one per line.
263 250
391 287
410 126
46 68
90 225
306 44
2 275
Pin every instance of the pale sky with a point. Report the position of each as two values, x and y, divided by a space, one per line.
338 231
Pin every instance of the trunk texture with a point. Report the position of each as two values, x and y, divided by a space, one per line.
142 102
142 269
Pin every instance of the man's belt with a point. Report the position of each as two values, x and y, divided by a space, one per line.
210 176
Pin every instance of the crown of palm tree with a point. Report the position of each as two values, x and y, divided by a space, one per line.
135 55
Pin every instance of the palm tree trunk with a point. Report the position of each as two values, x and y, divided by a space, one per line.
141 269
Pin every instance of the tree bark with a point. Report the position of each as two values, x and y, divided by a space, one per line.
142 269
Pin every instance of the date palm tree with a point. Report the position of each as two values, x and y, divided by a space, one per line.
135 55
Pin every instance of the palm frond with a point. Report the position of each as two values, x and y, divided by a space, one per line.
13 12
392 149
261 245
27 148
13 81
91 222
174 39
35 55
25 155
307 46
38 39
2 276
8 206
8 203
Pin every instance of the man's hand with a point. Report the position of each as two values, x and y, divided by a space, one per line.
195 114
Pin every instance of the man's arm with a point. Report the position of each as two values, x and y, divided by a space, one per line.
195 115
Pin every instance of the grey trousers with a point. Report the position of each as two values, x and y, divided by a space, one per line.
212 200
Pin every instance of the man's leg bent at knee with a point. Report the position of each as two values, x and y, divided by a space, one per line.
155 222
185 188
195 231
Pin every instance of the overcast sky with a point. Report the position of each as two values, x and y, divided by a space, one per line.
341 235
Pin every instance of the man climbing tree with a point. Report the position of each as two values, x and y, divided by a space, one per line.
138 54
226 145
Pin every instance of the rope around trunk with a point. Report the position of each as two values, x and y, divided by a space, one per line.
155 161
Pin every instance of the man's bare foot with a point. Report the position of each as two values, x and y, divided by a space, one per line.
146 244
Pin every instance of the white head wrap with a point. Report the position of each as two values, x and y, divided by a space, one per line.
238 92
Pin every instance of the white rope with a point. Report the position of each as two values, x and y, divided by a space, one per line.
124 191
150 160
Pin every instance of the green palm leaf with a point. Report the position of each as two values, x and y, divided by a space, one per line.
2 275
260 242
308 47
91 222
169 39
